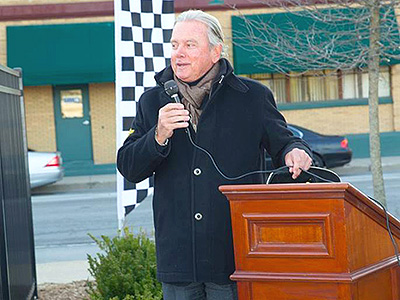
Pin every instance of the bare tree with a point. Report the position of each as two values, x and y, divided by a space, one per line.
329 35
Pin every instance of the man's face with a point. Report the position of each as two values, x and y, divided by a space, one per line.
192 55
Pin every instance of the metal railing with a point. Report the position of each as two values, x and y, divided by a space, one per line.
17 256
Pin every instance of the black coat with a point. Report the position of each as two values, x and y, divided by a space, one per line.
239 120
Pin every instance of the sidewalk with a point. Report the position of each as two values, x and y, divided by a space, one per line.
62 271
71 183
363 165
68 271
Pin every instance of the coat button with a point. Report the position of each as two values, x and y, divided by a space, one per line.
198 216
197 171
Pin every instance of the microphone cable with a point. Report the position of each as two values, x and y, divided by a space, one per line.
219 170
172 90
396 249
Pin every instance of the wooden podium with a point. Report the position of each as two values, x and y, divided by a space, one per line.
311 241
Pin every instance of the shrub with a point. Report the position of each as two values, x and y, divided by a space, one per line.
126 270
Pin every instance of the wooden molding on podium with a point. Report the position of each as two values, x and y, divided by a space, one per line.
311 241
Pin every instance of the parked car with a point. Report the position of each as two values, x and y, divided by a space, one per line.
328 150
44 168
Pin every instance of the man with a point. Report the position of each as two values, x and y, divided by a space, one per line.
234 119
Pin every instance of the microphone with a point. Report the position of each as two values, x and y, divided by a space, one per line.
171 88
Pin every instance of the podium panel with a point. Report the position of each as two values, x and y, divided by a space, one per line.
305 291
311 241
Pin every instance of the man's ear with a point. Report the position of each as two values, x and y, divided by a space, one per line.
216 53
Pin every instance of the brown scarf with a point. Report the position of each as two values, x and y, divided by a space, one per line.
193 95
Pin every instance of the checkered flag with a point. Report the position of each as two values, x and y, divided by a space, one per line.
143 29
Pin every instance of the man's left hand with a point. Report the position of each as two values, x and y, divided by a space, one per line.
296 160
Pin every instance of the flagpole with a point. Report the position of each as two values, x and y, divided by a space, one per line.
118 99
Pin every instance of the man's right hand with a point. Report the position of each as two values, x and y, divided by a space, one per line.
170 117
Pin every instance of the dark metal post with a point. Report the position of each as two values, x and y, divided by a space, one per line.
17 256
4 292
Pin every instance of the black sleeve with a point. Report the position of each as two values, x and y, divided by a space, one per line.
277 138
140 154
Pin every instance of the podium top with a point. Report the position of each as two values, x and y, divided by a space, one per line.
298 187
301 190
304 191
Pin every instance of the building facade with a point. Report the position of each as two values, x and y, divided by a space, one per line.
66 51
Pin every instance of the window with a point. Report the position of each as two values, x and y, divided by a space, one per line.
71 104
323 85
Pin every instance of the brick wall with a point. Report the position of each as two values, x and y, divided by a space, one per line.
39 100
102 110
39 112
396 96
37 2
340 120
396 86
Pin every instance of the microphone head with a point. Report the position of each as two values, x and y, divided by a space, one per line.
171 88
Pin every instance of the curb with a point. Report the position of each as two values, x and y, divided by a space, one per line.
72 183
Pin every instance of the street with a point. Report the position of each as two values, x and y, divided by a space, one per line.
62 221
392 183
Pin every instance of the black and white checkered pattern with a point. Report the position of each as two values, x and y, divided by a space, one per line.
142 32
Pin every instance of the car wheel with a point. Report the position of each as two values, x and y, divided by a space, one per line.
317 161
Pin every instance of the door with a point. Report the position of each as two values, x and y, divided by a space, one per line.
72 117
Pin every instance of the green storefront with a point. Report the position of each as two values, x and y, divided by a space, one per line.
67 57
310 60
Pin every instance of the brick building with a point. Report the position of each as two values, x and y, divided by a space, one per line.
66 51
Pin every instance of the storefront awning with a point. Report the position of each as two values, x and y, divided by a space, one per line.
62 54
308 40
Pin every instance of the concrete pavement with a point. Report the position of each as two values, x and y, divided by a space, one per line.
69 183
363 165
62 271
68 271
